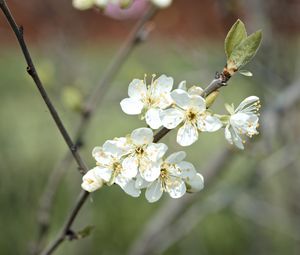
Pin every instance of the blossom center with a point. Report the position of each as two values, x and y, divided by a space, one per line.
139 150
191 115
117 167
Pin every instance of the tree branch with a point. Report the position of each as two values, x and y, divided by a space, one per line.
34 75
138 34
86 115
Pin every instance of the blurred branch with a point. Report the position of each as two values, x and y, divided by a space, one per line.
19 32
171 210
138 34
252 208
167 226
213 86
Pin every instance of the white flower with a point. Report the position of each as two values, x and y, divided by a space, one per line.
191 110
83 4
162 3
242 121
176 177
110 169
142 155
86 4
151 99
91 181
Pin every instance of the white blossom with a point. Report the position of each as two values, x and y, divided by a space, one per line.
86 4
242 121
83 4
149 100
190 109
142 155
162 3
110 166
91 181
176 177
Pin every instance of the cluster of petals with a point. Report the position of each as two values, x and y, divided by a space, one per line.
160 106
135 162
189 111
243 121
87 4
149 100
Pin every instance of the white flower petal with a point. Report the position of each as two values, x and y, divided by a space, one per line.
171 118
128 186
187 134
187 170
247 101
162 3
140 182
195 90
103 158
91 182
196 184
181 98
142 136
176 188
233 138
103 173
153 118
154 191
163 84
130 167
156 151
137 89
209 123
198 102
131 106
176 157
182 85
149 170
228 135
112 147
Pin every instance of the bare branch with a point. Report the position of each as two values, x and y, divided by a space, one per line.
19 32
138 34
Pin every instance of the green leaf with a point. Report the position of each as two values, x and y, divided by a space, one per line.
84 232
245 51
235 36
245 73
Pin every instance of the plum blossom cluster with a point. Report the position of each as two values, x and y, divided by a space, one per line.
87 4
135 162
161 106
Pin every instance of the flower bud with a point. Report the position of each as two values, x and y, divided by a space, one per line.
210 99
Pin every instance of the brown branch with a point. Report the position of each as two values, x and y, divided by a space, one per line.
138 34
19 32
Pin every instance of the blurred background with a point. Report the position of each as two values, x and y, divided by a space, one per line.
250 205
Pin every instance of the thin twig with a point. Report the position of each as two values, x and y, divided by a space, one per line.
19 32
138 34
